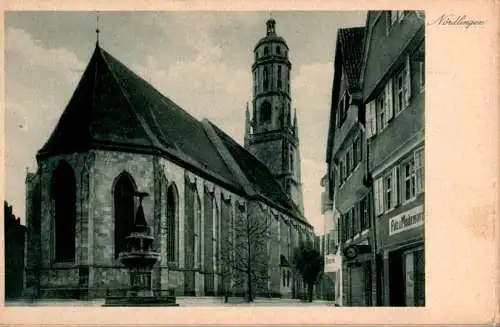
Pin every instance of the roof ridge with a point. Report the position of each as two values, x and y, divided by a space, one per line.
227 158
153 139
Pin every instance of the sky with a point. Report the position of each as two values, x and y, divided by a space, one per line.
200 60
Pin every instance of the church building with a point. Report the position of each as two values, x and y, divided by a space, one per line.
119 135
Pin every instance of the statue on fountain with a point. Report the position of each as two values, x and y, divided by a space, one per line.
140 258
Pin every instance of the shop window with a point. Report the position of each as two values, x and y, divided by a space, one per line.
414 279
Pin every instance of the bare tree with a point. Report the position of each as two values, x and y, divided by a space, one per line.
245 254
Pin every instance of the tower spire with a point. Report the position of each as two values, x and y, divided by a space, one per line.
247 124
97 30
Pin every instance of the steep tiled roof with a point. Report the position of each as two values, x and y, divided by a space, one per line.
350 41
258 175
113 108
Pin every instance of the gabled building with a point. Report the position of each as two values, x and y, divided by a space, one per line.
392 82
346 182
119 135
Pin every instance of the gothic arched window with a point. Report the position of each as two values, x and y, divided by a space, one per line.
197 229
265 112
216 234
64 205
124 210
172 223
266 79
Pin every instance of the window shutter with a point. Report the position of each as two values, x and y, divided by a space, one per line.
371 123
395 186
388 103
381 195
407 82
377 195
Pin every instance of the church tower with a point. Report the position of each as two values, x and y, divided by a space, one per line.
271 134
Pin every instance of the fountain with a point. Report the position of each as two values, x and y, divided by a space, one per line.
139 258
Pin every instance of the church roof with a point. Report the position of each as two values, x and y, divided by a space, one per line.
113 108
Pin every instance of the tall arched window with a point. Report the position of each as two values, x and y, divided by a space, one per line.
172 223
124 210
266 51
265 112
197 230
64 202
278 50
216 234
279 78
266 79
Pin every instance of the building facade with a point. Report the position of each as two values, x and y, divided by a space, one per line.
330 246
347 178
14 242
375 159
393 81
119 135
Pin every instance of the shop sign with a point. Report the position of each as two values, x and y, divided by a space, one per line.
408 220
329 259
